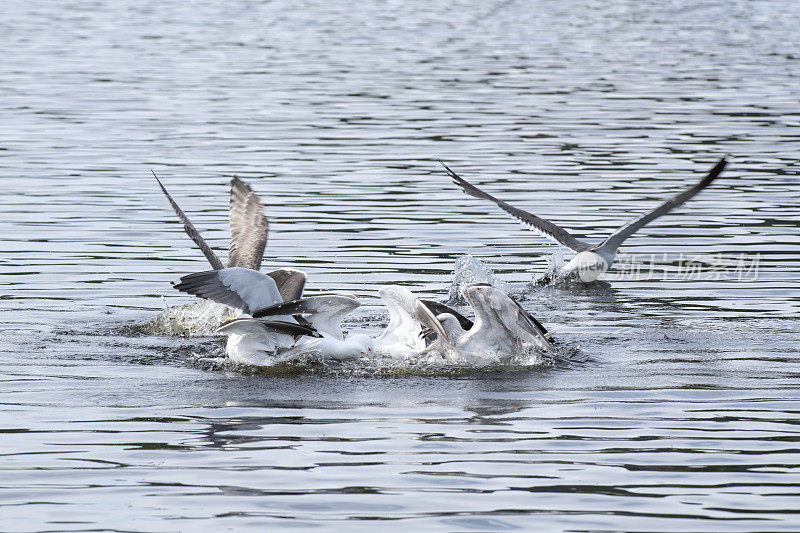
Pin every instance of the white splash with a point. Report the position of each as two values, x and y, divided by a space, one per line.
468 270
194 320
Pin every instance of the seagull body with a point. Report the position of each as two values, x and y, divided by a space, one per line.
590 260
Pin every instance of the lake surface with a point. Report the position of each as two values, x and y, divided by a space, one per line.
678 407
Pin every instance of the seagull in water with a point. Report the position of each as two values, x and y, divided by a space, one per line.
502 328
591 260
257 341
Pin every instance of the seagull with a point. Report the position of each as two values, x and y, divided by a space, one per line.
591 260
256 294
404 336
502 328
249 229
256 342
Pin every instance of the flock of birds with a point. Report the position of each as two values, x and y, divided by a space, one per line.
272 322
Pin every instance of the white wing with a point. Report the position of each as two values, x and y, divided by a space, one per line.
325 313
236 287
406 320
258 342
500 322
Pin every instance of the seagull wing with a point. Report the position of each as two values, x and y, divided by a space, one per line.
191 231
325 313
249 227
501 320
539 225
290 282
236 287
614 241
407 317
260 341
257 326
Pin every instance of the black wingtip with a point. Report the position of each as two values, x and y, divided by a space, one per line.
458 180
719 167
159 181
715 172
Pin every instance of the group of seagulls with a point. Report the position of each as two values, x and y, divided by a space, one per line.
271 322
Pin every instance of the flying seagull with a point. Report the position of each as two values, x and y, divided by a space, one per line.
249 229
591 260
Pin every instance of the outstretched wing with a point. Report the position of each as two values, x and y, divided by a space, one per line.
539 225
290 282
191 231
503 319
325 313
235 287
618 237
249 227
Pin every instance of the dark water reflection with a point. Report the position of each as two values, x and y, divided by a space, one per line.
679 407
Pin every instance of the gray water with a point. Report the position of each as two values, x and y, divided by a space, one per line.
678 408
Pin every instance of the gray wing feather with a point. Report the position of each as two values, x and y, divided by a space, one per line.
497 311
426 317
275 326
310 306
540 225
531 323
290 283
208 285
191 231
249 227
619 236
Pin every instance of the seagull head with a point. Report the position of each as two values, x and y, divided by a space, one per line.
451 326
364 340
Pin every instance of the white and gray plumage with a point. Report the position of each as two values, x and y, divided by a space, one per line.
242 288
402 337
259 341
502 328
254 341
249 229
324 313
591 260
408 320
